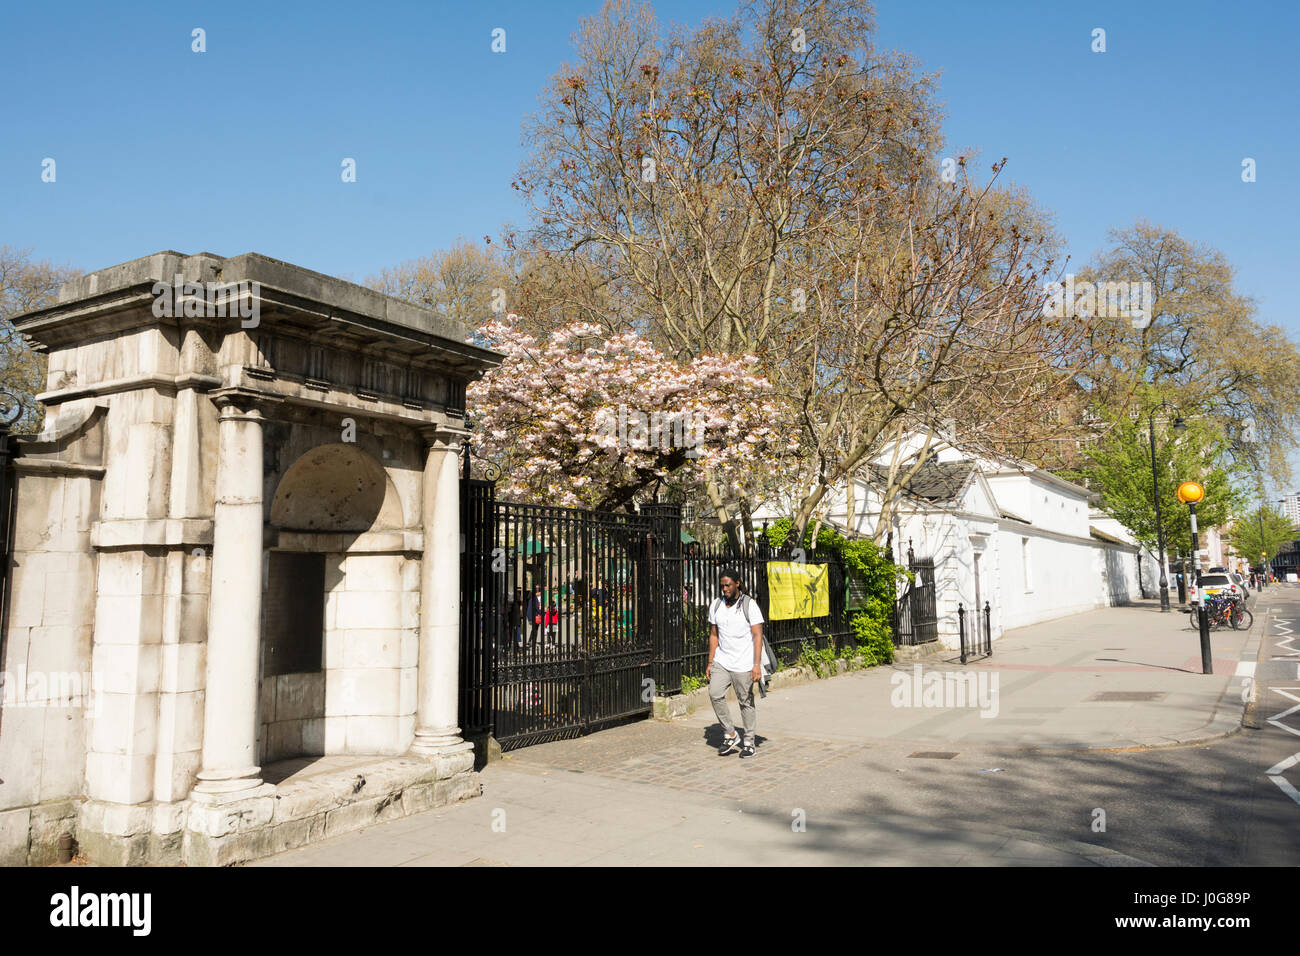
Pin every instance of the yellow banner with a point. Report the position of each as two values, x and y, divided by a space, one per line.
797 590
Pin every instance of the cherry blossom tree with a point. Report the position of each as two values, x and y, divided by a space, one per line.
590 418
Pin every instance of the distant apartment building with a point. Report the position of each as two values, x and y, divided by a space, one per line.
1289 505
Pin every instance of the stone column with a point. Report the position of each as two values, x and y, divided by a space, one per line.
437 703
235 608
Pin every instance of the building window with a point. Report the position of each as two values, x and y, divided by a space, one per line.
1028 564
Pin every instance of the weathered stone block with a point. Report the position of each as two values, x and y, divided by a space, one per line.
231 816
121 778
361 692
366 609
128 620
121 573
194 618
373 735
182 667
14 836
299 695
67 599
27 591
405 733
21 752
409 687
127 668
371 647
63 753
180 719
463 786
363 814
49 822
374 572
336 735
313 735
411 610
125 724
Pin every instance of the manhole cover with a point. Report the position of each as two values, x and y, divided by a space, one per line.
933 755
1131 696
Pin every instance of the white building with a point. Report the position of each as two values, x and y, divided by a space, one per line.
1290 507
1028 543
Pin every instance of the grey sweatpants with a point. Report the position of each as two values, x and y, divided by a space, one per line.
743 685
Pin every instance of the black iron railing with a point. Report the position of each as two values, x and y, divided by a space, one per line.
975 631
572 619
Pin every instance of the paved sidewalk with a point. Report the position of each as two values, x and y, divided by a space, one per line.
1108 679
655 793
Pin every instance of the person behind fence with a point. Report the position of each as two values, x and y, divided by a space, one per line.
735 660
534 613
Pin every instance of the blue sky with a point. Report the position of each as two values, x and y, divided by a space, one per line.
238 149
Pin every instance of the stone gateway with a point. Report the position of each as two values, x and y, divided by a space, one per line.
247 537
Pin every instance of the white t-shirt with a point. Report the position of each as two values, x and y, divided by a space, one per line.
735 639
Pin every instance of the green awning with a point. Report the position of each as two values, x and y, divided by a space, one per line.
686 537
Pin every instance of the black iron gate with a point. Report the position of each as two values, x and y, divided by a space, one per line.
916 619
557 629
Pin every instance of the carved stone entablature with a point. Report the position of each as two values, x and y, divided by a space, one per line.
155 323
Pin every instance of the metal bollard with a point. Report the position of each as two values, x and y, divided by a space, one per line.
961 630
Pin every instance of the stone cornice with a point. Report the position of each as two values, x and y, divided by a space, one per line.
151 532
345 402
53 466
167 383
121 298
446 437
349 542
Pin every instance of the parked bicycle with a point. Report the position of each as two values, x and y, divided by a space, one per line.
1225 612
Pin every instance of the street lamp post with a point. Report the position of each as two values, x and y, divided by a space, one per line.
1189 493
1179 425
1263 554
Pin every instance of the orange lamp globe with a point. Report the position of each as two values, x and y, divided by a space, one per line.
1189 492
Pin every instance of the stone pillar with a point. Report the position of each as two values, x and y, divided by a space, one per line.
230 709
438 695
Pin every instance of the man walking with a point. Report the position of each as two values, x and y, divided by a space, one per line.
735 660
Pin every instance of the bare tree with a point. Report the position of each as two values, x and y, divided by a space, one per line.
767 184
25 284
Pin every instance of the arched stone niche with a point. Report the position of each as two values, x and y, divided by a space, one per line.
331 508
336 488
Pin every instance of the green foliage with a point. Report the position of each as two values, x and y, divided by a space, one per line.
1263 530
820 662
1119 467
875 643
691 684
866 563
